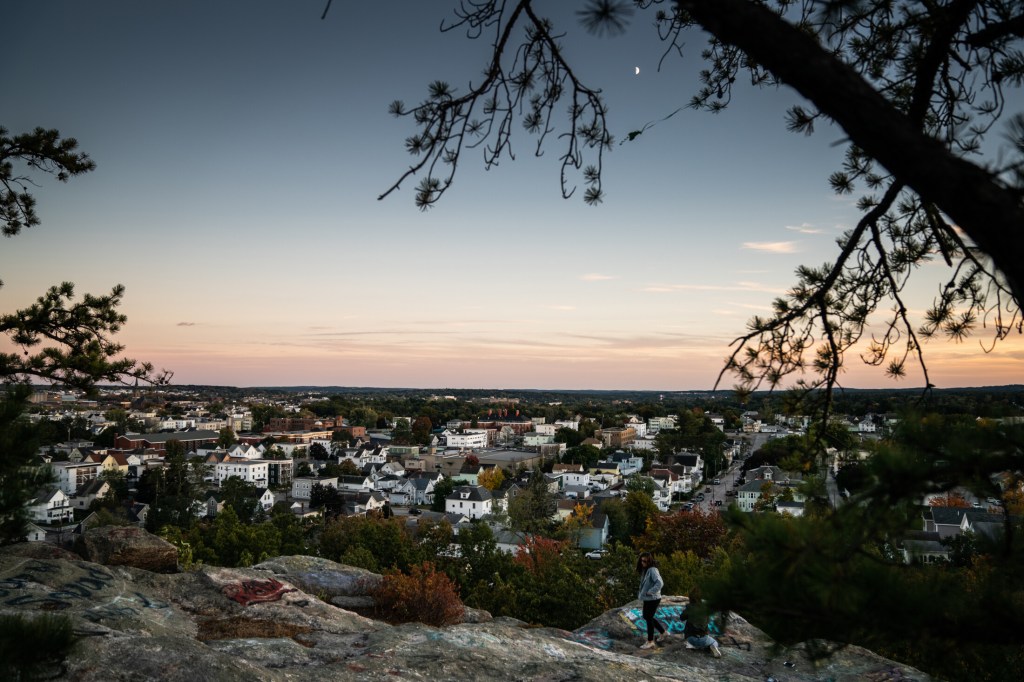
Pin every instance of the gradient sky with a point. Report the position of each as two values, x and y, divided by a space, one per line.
240 150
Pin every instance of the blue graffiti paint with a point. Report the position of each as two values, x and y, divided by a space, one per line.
672 617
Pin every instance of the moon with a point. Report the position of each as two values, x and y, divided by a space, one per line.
637 70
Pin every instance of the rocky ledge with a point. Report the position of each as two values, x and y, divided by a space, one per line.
275 622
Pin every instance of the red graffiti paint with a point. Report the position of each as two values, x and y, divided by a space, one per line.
256 591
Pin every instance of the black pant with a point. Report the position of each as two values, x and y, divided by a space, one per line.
650 607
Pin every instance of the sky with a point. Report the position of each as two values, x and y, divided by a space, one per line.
241 148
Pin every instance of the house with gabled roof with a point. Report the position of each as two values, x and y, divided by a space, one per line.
34 533
137 512
363 502
689 464
672 481
50 505
945 521
355 484
418 489
769 479
109 461
509 541
629 463
608 473
920 546
89 492
472 500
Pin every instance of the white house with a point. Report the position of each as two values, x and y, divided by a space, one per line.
266 498
96 489
34 533
416 490
638 425
629 463
576 478
51 506
472 500
255 471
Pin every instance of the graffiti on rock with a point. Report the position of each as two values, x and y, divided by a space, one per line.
249 592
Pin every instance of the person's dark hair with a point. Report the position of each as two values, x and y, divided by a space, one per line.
651 562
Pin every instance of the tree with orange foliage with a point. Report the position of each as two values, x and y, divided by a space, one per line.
697 531
577 521
491 478
950 499
423 596
538 554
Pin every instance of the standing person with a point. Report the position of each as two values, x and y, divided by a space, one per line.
696 630
650 594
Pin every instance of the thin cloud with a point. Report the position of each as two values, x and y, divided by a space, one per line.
738 286
186 324
596 277
804 228
771 247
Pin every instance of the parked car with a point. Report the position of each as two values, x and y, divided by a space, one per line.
718 503
596 554
700 497
717 481
708 489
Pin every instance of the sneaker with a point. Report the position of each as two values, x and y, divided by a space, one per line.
715 651
663 637
690 646
647 645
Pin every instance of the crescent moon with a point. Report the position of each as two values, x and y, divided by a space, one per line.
637 70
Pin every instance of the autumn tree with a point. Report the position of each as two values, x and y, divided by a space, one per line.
423 596
697 531
491 478
949 499
579 520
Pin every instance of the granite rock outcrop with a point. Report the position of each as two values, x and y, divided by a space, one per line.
274 622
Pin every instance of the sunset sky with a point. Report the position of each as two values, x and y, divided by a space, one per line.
241 148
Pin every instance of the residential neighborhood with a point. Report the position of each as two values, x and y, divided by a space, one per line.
467 471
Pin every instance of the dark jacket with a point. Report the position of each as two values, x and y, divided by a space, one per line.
696 621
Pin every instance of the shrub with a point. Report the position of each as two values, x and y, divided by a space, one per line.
423 596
